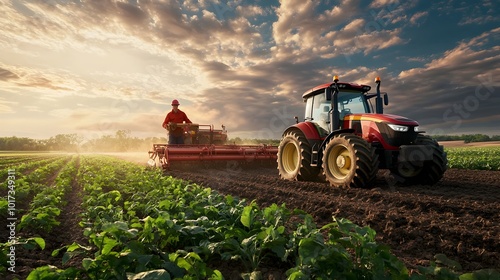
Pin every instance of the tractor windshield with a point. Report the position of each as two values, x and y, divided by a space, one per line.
352 103
349 102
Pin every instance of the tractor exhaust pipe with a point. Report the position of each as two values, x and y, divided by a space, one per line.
379 107
334 115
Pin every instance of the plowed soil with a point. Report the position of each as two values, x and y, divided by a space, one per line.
458 217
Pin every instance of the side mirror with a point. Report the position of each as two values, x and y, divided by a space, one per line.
386 99
296 119
328 94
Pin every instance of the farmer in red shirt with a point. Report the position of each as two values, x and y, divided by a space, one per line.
175 133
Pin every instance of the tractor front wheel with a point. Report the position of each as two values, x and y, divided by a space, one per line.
349 161
427 172
294 158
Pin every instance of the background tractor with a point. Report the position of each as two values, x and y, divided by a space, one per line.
345 138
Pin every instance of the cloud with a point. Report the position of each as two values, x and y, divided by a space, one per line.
342 30
41 80
382 3
20 78
418 17
464 60
480 13
458 87
6 75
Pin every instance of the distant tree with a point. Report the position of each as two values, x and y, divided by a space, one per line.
21 144
64 142
236 140
495 138
475 138
122 140
447 137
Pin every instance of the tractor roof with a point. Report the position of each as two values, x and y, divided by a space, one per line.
342 86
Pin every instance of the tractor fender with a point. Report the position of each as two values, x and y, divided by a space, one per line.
309 129
335 132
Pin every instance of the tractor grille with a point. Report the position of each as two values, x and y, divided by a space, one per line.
396 138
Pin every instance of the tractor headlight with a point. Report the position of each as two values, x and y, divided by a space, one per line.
399 128
416 129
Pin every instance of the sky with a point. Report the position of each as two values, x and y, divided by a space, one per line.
94 67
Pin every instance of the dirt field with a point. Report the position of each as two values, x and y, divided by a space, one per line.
458 217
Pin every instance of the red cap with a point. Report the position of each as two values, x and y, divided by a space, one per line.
175 102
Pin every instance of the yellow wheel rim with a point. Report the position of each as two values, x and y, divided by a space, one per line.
339 162
290 158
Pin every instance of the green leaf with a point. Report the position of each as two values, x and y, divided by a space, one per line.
443 259
46 272
40 241
298 275
150 275
87 262
247 216
109 244
193 255
216 275
68 255
309 249
483 274
165 204
182 263
144 259
75 246
115 227
229 200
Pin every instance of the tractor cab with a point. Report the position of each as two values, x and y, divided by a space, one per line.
319 107
328 104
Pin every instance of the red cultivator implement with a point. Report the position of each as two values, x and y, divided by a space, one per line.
208 144
167 154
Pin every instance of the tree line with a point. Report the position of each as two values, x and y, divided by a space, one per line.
121 141
467 138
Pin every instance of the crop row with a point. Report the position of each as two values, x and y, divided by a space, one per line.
47 204
25 165
487 158
28 185
7 161
36 195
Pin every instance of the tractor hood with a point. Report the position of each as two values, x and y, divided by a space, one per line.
391 131
386 118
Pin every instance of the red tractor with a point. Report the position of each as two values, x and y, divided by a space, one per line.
349 141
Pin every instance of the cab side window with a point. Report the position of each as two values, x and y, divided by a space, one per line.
320 110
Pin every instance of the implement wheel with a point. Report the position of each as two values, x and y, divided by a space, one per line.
349 161
294 158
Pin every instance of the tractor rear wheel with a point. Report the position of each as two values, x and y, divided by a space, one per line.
349 161
427 172
294 158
